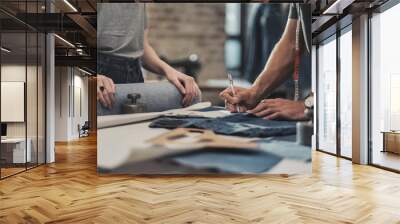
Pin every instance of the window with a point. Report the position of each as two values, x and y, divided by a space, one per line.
334 83
385 87
233 43
327 96
346 93
22 76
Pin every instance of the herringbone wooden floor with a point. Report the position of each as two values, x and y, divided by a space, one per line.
70 191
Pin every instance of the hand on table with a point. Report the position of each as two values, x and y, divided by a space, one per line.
280 109
243 98
105 91
186 85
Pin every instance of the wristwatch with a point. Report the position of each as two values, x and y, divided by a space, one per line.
309 105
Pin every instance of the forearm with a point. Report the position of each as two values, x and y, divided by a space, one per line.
279 65
276 70
151 61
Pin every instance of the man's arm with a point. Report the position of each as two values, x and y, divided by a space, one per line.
276 70
184 83
280 63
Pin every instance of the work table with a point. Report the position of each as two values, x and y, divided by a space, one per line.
122 145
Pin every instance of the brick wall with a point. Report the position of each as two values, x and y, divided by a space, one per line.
178 30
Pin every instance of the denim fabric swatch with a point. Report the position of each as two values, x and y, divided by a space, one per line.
228 161
241 124
285 149
211 160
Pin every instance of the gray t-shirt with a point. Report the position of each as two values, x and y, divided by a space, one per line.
120 29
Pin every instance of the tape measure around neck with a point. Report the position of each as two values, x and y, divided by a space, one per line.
297 62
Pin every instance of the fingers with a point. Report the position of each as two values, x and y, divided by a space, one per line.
258 108
183 90
107 98
198 93
190 92
187 99
264 104
177 83
262 110
235 108
265 112
187 87
274 116
100 93
230 98
109 91
228 95
234 101
100 98
227 90
193 91
265 108
229 107
242 109
105 91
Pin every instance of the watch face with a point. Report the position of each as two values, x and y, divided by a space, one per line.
309 102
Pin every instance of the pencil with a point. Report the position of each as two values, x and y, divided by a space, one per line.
233 89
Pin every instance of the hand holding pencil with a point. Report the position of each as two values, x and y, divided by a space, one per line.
239 99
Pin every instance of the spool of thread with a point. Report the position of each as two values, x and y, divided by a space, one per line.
304 132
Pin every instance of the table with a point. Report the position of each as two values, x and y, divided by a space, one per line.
391 141
125 144
13 150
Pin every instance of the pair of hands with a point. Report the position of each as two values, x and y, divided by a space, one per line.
247 100
185 84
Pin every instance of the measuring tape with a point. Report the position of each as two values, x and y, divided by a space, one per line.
297 62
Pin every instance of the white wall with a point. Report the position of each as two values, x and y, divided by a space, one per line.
70 83
16 73
61 103
81 103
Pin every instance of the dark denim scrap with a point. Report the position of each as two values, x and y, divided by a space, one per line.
227 160
285 149
241 124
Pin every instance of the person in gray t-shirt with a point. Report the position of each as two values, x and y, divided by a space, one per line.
122 43
120 29
284 59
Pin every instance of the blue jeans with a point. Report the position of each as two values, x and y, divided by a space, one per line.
120 70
